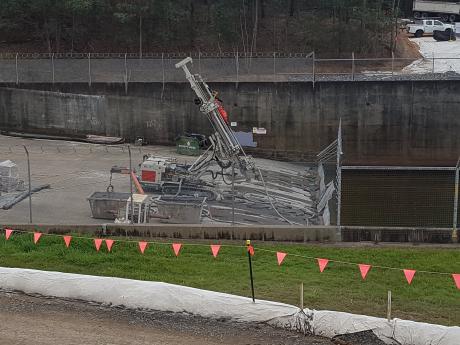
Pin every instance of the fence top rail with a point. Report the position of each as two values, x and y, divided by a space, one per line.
419 168
158 55
203 55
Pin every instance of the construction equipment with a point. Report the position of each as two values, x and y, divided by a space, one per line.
226 150
446 10
165 175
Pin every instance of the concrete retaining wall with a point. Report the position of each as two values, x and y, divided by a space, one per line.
273 233
195 232
384 122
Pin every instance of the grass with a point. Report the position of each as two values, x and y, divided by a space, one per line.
430 298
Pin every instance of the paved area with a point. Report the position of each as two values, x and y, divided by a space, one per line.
46 321
76 170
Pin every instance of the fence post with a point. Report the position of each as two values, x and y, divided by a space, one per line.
251 277
89 69
131 185
457 178
233 193
301 295
339 182
17 71
199 62
353 66
392 63
30 184
126 73
314 69
274 67
52 66
389 306
237 65
433 64
162 75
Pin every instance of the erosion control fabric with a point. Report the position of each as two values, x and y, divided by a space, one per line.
174 298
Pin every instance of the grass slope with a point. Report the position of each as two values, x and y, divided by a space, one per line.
430 298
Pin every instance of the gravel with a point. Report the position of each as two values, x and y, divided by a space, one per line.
376 76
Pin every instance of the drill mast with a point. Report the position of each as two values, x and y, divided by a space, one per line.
226 148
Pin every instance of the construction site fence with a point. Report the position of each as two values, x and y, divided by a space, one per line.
394 197
232 67
369 203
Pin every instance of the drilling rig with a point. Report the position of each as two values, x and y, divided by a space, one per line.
225 148
225 152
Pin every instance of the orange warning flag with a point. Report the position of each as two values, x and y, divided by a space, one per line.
409 274
37 236
322 263
8 233
364 269
97 243
215 249
280 256
142 246
456 280
109 244
67 240
176 248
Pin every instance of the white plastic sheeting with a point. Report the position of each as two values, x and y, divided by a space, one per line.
395 332
174 298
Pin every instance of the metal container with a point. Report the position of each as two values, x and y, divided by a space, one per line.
180 210
106 205
189 146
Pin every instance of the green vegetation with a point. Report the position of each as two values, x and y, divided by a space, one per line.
326 26
430 298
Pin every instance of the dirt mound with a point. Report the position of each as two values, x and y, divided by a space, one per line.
405 48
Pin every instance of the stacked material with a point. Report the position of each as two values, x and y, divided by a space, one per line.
9 176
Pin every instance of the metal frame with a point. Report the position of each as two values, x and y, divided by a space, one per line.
457 178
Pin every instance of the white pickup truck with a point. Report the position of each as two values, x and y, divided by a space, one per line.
427 26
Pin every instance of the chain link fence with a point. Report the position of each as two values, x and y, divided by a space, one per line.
364 203
401 197
387 203
233 67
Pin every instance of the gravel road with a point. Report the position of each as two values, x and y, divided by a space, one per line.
38 320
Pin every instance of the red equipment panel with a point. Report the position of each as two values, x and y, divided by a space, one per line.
149 176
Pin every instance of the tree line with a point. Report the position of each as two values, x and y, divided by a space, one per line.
329 27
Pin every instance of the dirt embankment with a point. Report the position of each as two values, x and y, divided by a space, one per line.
40 320
405 48
47 321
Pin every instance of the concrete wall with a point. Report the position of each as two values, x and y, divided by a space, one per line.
195 232
384 122
274 233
